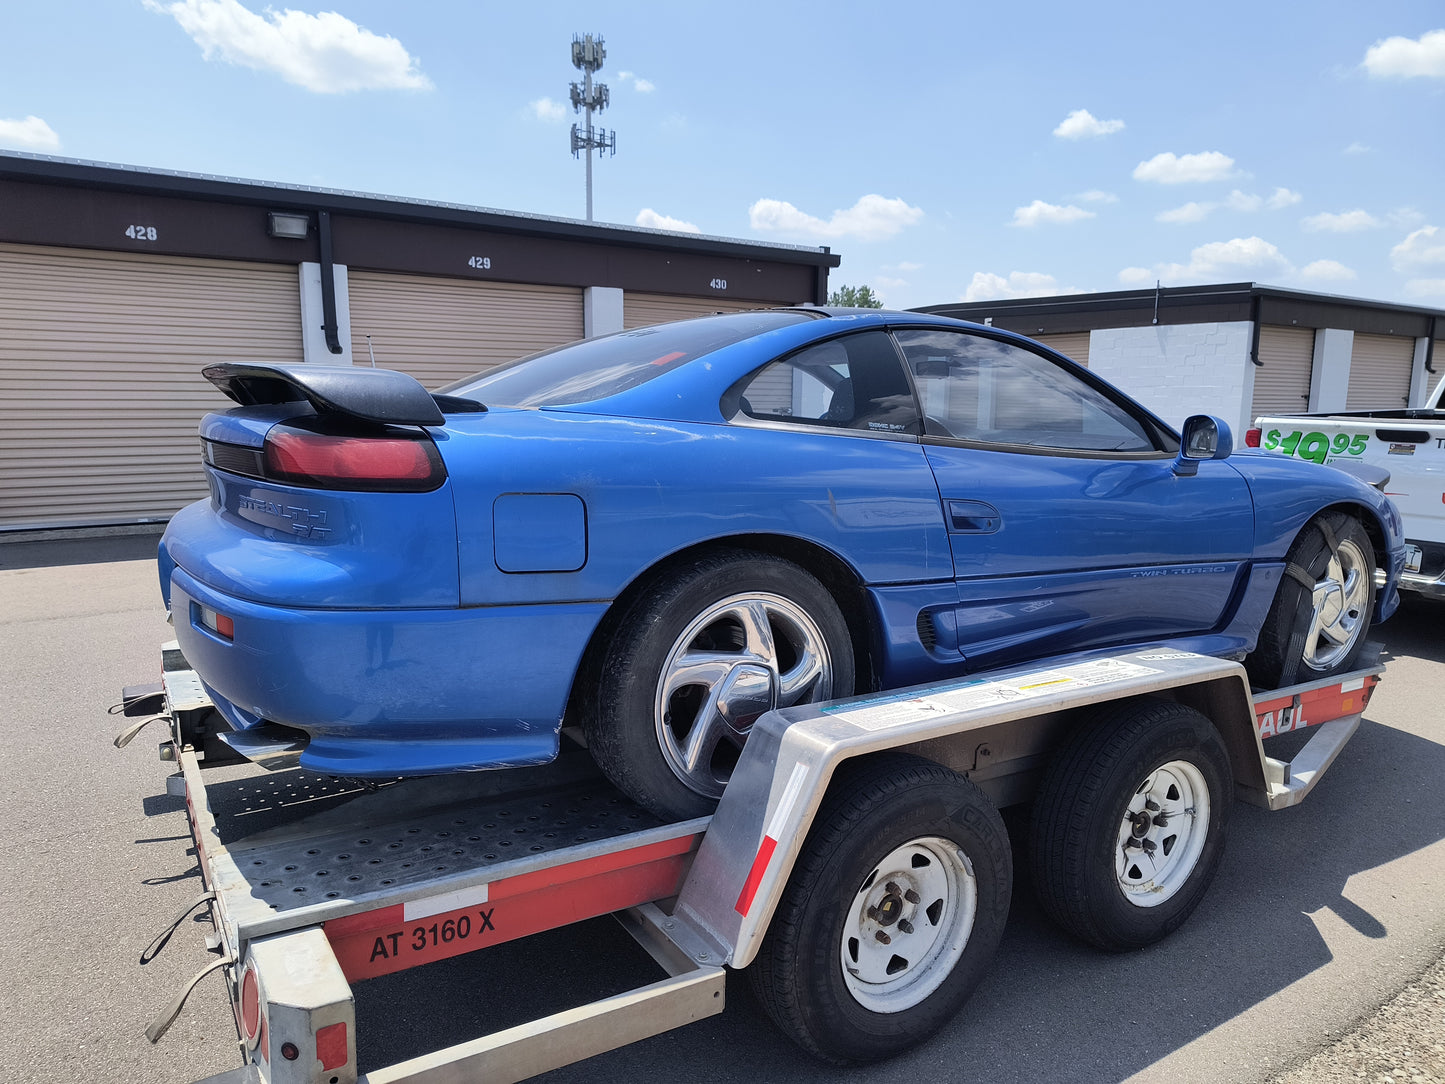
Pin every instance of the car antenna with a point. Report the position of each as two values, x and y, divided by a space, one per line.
370 353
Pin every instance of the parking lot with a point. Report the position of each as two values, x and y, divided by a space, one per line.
1319 913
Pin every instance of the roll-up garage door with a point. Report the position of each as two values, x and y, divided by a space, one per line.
1286 366
100 382
440 329
1380 372
643 310
1072 344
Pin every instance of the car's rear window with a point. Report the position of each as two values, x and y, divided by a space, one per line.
596 368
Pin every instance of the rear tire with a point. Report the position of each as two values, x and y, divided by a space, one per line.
902 849
695 660
1129 823
1321 613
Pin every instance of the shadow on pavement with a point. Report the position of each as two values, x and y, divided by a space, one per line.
52 553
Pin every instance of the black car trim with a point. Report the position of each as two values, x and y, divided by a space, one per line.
383 396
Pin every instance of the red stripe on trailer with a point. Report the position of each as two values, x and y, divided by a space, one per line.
755 875
382 942
1284 714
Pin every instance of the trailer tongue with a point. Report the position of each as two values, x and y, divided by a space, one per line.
862 832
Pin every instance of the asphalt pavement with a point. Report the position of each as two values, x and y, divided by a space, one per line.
1320 914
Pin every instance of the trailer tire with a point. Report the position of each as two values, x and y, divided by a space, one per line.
1104 866
1318 621
892 914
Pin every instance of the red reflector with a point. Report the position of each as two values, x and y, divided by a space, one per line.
250 1005
1251 438
225 626
290 453
331 1046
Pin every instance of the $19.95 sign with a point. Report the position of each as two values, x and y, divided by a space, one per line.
1316 447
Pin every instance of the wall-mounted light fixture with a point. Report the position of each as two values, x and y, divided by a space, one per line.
283 225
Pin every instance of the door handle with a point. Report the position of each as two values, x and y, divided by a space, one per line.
973 517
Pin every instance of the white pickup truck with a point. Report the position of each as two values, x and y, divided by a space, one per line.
1409 444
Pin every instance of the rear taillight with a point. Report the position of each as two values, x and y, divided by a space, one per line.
1251 438
352 462
323 455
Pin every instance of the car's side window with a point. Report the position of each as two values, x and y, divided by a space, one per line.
978 388
854 382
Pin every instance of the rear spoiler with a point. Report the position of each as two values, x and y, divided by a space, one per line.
374 395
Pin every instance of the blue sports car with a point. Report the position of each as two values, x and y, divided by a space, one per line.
661 534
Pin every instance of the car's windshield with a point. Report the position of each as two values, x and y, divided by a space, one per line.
595 368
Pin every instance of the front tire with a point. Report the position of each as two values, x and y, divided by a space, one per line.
892 914
696 660
1321 613
1129 824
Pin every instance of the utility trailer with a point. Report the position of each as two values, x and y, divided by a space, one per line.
862 833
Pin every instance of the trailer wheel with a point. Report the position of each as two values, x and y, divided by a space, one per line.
1129 823
893 912
1317 623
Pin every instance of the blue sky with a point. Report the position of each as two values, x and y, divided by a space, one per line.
946 151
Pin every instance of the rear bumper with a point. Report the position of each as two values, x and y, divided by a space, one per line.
385 693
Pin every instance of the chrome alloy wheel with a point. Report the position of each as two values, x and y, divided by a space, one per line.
908 925
1340 601
742 656
1162 833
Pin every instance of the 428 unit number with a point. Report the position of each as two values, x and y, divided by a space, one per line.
141 233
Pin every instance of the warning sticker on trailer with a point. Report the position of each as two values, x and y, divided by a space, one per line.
882 712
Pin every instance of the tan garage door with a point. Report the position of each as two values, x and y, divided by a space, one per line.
440 329
1282 379
643 310
100 384
1072 344
1380 372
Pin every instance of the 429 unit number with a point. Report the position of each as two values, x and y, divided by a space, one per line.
481 263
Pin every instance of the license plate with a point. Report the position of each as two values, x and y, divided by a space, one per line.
1412 558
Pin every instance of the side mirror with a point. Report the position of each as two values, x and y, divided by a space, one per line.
1204 437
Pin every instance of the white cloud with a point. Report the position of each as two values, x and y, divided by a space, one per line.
872 218
1081 124
654 221
1039 212
1426 289
30 134
1423 248
1248 202
1359 148
547 109
987 286
1406 218
1168 168
1098 196
1405 58
1220 261
1190 212
906 267
1282 198
639 84
1345 222
1327 271
884 284
325 53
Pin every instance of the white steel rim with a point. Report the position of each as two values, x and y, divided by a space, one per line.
742 656
922 898
1339 607
1162 833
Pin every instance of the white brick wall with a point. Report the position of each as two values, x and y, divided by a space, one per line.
1181 369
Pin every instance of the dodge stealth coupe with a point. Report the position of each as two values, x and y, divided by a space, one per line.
664 533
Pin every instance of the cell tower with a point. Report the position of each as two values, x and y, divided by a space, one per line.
588 53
